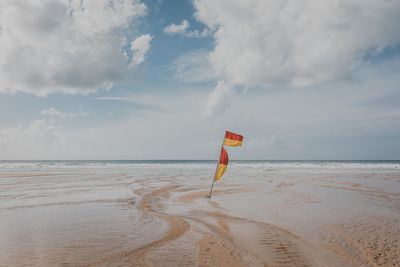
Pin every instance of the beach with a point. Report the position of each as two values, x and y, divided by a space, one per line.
157 213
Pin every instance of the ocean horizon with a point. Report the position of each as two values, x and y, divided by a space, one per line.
201 160
37 165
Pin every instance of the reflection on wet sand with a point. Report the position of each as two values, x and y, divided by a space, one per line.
136 218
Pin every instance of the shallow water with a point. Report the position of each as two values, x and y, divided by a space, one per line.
72 217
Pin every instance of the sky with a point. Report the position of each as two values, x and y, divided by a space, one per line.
157 79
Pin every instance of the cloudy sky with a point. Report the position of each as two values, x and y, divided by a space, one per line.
158 79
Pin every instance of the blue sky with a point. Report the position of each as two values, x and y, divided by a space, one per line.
164 79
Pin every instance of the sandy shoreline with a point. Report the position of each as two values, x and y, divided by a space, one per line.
256 243
343 219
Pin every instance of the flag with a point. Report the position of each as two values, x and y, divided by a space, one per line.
232 139
222 165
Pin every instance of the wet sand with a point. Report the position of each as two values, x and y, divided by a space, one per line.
256 217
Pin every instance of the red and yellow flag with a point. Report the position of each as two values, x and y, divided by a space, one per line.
222 165
232 139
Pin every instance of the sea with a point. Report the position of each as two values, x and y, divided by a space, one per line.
38 165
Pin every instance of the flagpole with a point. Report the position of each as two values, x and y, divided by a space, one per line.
213 181
216 168
212 185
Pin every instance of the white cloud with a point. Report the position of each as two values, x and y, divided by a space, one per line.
140 46
68 46
297 43
173 28
183 30
52 112
198 34
219 100
37 134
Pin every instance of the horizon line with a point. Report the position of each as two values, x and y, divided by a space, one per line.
199 160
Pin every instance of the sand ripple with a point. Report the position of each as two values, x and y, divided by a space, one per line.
373 242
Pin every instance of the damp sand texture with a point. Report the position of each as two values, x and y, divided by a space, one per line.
158 214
